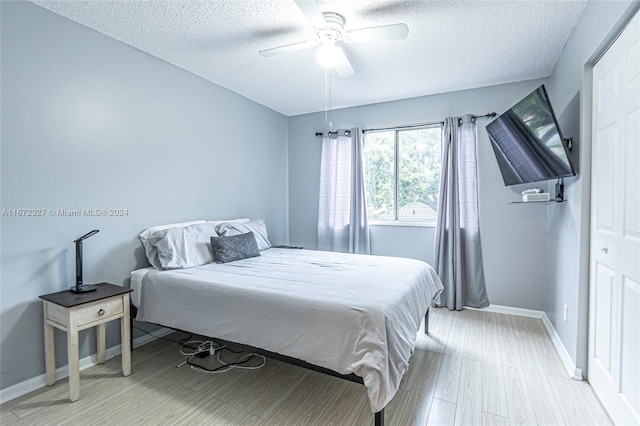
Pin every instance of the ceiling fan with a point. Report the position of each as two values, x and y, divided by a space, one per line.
329 29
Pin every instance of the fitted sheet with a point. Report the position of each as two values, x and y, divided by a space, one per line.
136 284
346 312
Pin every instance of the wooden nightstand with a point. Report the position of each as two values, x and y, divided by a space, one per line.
74 312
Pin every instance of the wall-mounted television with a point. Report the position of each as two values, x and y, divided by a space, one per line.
527 142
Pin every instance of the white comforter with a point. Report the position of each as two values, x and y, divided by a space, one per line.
349 313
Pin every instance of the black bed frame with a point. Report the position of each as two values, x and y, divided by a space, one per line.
379 416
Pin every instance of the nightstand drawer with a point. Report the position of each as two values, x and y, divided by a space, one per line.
99 311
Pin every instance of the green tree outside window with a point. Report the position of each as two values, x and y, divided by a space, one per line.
402 174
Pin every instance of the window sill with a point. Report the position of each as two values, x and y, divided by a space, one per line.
401 223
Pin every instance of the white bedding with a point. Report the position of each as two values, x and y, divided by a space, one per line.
349 313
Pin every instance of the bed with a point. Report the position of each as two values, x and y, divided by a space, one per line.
351 314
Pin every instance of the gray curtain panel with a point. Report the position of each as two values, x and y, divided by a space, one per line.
342 214
458 254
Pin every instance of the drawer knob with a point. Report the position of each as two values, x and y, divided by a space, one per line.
101 312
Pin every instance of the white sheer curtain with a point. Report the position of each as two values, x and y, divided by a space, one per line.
458 254
342 214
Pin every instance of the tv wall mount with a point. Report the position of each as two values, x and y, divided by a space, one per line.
568 142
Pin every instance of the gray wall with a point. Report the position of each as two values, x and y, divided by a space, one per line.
568 228
514 240
88 122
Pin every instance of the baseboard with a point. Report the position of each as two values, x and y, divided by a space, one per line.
574 372
40 381
510 310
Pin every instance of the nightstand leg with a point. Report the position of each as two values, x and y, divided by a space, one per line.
102 345
72 351
49 351
125 337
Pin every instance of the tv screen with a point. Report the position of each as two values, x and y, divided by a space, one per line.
527 142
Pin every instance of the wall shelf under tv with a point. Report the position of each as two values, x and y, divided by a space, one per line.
537 202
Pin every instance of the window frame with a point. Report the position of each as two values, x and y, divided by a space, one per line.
396 221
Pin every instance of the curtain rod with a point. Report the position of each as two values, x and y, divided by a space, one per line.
432 123
405 126
345 132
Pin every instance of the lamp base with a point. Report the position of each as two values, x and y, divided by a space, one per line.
83 289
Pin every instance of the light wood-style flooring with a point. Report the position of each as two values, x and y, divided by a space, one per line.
474 368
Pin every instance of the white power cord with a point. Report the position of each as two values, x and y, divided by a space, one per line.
203 346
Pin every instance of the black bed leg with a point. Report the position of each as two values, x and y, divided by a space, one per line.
380 418
426 322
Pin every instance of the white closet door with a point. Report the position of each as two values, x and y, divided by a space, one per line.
614 295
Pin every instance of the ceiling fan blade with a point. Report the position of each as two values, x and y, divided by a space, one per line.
344 68
312 12
384 32
288 48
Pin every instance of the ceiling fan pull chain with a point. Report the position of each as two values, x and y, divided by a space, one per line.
329 74
326 97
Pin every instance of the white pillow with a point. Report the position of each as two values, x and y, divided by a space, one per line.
150 236
218 222
186 247
257 226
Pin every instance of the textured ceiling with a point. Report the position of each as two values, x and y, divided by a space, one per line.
452 45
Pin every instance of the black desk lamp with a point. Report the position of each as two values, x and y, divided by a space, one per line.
80 287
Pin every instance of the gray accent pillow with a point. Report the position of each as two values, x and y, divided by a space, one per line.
234 247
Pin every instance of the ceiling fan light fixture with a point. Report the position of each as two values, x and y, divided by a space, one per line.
328 55
329 29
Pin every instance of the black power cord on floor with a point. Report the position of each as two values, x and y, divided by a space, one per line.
204 348
209 348
229 366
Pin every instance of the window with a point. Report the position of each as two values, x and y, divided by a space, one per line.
402 174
